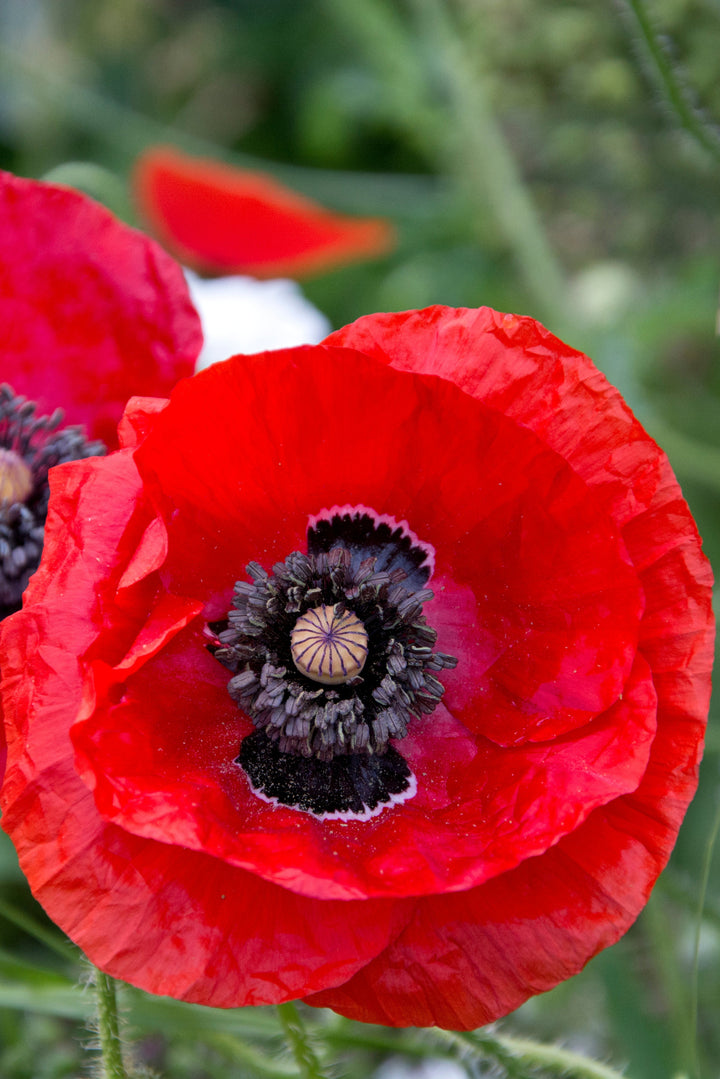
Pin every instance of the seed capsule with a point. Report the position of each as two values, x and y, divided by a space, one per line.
328 646
16 478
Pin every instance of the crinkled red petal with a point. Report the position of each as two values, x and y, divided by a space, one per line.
160 764
91 311
468 958
221 219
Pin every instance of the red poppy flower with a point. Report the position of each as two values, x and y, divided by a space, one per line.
319 781
91 311
220 219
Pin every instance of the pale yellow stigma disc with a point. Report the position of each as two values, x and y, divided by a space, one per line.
327 646
16 481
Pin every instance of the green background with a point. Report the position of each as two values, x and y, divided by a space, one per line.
557 159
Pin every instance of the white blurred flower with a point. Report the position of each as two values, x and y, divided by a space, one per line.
604 291
240 314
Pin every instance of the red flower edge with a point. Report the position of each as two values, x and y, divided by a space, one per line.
463 944
91 311
220 219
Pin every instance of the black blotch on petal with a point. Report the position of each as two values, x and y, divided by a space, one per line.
355 783
365 537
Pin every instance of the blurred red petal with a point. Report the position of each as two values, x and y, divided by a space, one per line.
221 219
91 311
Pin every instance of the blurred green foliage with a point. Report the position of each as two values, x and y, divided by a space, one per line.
533 156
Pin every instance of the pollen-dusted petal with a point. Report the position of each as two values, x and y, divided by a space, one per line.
479 808
103 314
221 219
468 958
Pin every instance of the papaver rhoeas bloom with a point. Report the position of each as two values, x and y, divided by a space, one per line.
91 312
466 785
220 219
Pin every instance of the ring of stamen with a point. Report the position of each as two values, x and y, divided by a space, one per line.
30 445
331 658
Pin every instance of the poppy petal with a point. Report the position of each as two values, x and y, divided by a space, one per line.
104 313
159 772
220 219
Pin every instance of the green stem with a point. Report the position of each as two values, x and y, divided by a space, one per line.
487 167
694 982
298 1041
109 1027
514 1056
248 1057
553 1058
663 74
483 1046
33 928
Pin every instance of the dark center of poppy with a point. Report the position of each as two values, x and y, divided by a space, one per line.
332 658
30 446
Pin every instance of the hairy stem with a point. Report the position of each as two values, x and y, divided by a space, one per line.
109 1027
250 1058
298 1041
482 1046
514 1058
554 1059
664 74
